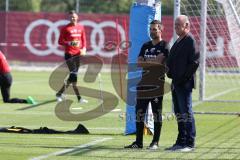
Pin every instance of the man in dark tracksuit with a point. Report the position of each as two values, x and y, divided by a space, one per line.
183 62
155 51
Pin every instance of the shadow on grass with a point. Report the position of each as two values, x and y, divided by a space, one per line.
36 105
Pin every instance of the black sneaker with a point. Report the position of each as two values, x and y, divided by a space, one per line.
153 146
134 145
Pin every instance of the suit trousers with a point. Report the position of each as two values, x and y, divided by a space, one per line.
182 100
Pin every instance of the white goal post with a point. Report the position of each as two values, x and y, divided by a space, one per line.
215 25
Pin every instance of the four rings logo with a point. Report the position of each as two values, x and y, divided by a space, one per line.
97 37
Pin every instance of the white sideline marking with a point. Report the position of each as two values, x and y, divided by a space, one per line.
78 108
77 148
215 95
197 103
222 93
116 110
77 152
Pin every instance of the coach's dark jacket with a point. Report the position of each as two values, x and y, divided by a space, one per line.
183 61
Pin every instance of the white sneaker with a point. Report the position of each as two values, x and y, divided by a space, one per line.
153 146
187 149
83 100
59 99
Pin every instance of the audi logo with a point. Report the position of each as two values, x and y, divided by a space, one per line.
97 37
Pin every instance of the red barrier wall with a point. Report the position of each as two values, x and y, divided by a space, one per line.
33 36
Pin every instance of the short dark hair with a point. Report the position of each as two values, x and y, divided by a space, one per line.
159 23
72 12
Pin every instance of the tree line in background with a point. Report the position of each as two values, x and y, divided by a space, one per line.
87 6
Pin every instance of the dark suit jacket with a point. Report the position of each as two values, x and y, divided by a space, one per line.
183 61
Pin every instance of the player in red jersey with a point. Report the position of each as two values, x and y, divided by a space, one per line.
6 82
73 39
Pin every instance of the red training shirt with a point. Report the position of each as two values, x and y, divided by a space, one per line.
71 33
4 67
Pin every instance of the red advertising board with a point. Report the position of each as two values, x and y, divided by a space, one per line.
33 36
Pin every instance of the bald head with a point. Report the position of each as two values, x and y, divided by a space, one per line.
182 25
183 18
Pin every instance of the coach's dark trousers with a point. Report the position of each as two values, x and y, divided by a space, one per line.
182 100
141 108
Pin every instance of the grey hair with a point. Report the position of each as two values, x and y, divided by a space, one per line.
185 19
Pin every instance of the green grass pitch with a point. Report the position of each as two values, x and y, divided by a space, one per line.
218 136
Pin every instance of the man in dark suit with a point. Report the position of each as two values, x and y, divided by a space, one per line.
183 62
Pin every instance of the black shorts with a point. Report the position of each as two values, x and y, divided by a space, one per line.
72 77
5 85
5 80
73 63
